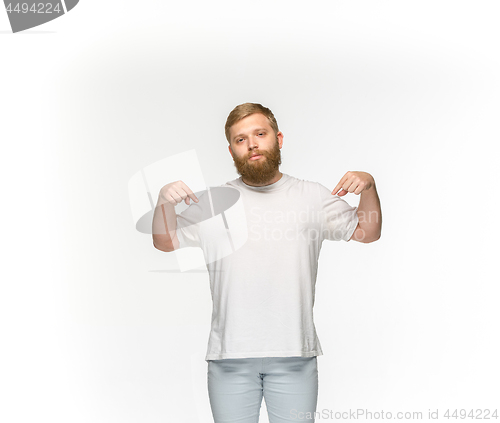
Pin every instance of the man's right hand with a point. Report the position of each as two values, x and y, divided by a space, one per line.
177 191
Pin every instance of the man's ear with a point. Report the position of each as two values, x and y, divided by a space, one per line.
280 135
231 151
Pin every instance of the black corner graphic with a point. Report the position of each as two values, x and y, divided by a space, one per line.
25 14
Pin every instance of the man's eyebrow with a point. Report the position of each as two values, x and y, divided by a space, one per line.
255 130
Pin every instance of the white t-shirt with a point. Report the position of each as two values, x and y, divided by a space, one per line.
263 292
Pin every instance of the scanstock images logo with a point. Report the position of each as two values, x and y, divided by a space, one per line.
28 14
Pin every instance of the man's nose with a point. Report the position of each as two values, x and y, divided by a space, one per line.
252 143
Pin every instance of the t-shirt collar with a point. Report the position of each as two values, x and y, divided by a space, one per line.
271 187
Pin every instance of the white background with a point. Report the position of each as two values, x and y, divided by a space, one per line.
93 326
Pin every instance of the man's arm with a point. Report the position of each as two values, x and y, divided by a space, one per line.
369 226
164 226
165 219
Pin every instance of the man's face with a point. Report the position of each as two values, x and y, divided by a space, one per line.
253 135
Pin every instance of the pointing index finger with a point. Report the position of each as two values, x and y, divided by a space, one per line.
190 193
339 185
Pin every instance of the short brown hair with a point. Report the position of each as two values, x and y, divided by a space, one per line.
246 109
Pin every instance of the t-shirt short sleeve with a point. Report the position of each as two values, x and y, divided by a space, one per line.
188 226
338 219
190 221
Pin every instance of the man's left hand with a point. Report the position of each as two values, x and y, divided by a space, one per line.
354 181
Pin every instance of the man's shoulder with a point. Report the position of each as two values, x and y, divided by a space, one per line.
232 184
304 183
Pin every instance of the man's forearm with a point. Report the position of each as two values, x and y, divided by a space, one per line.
164 225
370 213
